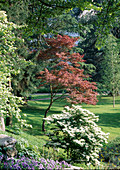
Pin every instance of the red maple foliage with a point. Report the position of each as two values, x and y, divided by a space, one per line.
66 73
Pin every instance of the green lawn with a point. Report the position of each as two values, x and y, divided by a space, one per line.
109 117
35 112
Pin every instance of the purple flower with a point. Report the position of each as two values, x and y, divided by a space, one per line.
32 164
41 166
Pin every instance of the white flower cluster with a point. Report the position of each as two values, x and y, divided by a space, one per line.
8 102
85 137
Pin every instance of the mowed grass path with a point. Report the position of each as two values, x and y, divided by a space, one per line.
109 117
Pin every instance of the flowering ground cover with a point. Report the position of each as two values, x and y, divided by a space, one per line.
30 163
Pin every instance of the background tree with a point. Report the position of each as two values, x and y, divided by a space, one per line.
38 13
24 83
92 54
65 73
87 44
110 72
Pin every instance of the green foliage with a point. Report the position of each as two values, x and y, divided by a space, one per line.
66 23
101 89
92 55
110 153
38 14
46 89
95 29
110 72
24 148
76 132
108 18
25 83
8 101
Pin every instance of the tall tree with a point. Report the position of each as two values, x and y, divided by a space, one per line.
111 72
66 73
93 55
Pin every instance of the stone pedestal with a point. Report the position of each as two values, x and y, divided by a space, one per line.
7 145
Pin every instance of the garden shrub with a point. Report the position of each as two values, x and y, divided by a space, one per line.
9 65
110 153
77 133
24 148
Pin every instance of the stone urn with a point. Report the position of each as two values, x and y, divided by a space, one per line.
7 145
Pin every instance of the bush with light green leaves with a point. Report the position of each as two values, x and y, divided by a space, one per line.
77 133
8 65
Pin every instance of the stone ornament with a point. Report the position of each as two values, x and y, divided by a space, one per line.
7 145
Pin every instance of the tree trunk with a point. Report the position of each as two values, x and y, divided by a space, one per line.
45 115
47 110
113 100
9 120
2 124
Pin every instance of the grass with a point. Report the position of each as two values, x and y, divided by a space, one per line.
41 96
35 113
109 117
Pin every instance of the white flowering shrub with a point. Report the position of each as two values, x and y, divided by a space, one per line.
8 65
77 132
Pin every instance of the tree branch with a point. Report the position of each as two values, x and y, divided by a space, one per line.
54 6
59 97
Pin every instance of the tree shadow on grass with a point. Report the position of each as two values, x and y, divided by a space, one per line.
46 103
107 100
34 117
109 119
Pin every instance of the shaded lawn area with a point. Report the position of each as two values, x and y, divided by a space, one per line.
109 117
42 95
35 112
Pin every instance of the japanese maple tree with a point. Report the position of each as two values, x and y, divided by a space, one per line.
66 73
